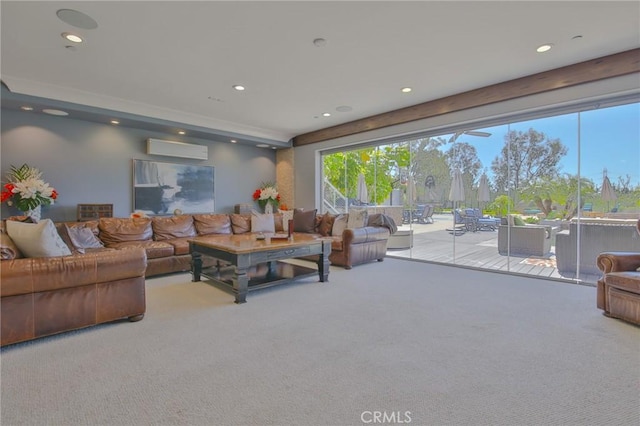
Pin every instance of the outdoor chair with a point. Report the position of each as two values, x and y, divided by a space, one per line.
425 215
483 223
527 240
462 223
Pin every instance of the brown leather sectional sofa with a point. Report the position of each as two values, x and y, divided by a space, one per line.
44 296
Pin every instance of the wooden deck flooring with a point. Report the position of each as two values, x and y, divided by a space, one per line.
433 243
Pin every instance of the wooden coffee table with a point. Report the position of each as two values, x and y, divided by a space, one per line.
254 263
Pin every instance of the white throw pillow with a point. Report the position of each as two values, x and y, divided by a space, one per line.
338 225
357 218
262 222
37 239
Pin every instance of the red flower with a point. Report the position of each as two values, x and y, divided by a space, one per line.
9 187
5 195
54 194
256 194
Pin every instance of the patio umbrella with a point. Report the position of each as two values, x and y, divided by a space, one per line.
483 189
456 193
362 194
412 194
457 187
607 193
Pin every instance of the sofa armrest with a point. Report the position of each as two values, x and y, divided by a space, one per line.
364 235
618 261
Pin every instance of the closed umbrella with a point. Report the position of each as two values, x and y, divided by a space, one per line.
457 187
607 193
412 194
483 189
362 194
456 193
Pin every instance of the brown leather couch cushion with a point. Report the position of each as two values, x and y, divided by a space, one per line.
212 224
116 230
165 228
304 221
180 245
241 223
154 249
8 249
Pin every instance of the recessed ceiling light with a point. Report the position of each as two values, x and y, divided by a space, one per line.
181 132
238 87
262 145
406 89
274 147
344 108
115 122
326 114
233 141
26 108
319 42
544 48
72 37
55 112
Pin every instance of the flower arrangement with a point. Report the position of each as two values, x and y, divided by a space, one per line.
267 194
26 189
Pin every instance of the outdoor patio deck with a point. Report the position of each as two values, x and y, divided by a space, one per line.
432 242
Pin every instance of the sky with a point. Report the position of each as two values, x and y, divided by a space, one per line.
610 138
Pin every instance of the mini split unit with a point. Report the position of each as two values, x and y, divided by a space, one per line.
177 149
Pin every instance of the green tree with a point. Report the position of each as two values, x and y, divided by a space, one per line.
560 193
380 166
526 159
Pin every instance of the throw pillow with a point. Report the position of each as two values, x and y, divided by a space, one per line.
326 224
304 221
357 218
37 239
262 222
517 221
339 224
83 238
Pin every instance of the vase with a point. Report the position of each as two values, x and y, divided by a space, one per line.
268 208
35 213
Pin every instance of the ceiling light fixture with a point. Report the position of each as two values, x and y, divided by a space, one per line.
262 145
72 37
406 89
181 132
319 42
344 108
238 87
544 48
326 114
26 108
233 141
115 122
55 112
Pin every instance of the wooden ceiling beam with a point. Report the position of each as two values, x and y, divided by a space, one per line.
584 72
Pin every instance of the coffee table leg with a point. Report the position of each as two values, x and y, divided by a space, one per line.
196 266
240 284
323 261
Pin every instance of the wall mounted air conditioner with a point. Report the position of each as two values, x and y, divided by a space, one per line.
177 149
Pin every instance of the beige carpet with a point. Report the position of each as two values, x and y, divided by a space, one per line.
434 344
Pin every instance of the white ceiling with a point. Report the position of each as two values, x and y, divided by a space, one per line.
178 60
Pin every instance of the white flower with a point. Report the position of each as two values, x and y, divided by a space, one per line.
268 192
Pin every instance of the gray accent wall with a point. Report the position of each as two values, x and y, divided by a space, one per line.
90 163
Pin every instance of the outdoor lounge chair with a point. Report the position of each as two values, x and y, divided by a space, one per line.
462 223
528 240
483 223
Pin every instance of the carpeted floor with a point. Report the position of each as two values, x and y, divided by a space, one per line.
418 343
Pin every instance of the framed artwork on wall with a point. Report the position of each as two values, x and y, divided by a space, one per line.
162 188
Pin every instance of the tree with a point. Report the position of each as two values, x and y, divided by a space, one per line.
527 158
380 166
563 191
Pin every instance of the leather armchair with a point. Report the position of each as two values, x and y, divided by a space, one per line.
619 287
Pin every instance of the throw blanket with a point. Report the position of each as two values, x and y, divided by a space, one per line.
379 219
